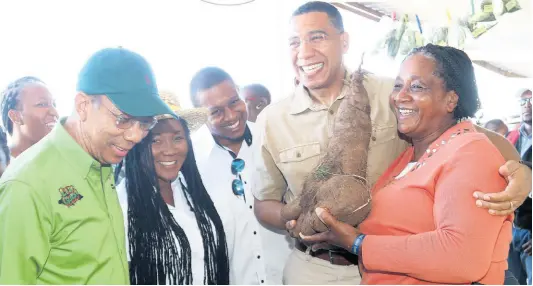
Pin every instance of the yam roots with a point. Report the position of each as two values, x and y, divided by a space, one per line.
338 183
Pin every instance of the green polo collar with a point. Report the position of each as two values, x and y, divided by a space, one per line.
71 151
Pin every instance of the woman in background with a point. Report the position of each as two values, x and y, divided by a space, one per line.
28 113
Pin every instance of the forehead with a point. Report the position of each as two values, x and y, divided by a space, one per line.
526 94
168 126
312 21
218 95
417 66
35 91
250 95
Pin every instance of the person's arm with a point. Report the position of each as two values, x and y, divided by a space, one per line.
518 176
461 248
25 228
268 183
269 213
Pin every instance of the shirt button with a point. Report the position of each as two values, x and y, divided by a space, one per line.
262 281
298 155
255 232
250 207
331 111
258 256
245 182
373 138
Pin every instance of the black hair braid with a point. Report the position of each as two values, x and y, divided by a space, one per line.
4 148
10 99
455 68
152 230
155 255
215 245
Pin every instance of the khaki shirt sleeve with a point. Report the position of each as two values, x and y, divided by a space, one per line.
268 182
25 227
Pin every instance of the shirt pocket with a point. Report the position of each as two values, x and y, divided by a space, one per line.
299 153
299 161
382 134
383 150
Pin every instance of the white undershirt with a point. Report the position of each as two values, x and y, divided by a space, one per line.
406 170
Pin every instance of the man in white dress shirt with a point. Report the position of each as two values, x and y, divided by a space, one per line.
223 150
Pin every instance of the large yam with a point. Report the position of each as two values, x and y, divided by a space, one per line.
339 182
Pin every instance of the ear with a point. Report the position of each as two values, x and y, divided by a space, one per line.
15 117
82 104
452 99
345 42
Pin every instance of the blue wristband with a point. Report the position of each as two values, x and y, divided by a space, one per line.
356 246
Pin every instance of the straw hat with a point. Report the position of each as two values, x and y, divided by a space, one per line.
195 117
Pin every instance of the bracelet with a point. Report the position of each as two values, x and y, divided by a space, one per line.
356 246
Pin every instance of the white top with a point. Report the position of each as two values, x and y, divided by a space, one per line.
186 219
260 253
406 170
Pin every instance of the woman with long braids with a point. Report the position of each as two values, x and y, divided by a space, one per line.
175 234
424 227
28 113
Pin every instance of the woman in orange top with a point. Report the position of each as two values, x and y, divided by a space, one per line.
424 227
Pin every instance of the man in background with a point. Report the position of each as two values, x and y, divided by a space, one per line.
257 97
498 126
520 250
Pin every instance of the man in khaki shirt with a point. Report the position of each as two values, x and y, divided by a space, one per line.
293 134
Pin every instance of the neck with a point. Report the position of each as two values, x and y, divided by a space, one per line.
329 94
74 129
19 144
527 127
233 145
421 144
165 188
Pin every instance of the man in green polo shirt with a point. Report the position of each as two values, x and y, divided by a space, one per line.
60 219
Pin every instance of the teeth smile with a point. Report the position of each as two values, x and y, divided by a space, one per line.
311 68
168 163
234 125
404 111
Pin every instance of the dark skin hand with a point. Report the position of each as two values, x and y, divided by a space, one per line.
519 187
527 247
340 234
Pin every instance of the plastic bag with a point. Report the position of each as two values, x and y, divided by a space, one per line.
456 35
393 32
483 19
511 5
437 36
411 39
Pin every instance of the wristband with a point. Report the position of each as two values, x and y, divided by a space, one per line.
356 246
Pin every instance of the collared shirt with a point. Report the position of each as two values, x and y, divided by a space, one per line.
186 219
260 252
60 219
525 140
293 135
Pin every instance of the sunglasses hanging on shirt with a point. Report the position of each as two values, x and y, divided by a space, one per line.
237 166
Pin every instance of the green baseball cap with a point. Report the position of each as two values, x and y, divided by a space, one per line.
126 78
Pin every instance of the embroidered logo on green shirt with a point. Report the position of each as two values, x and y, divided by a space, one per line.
69 196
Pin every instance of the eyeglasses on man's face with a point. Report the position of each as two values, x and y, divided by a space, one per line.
124 121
